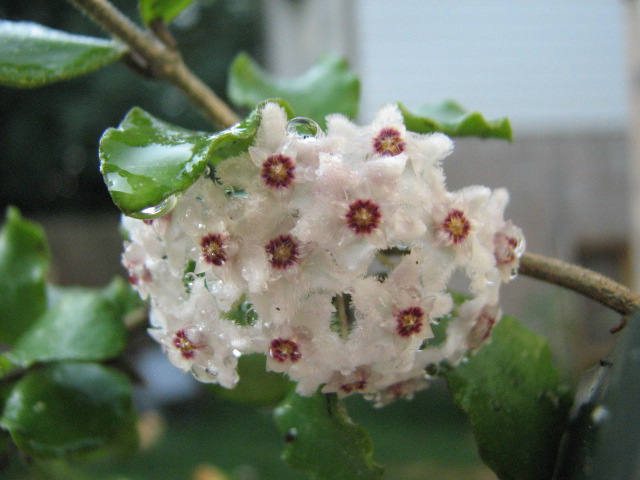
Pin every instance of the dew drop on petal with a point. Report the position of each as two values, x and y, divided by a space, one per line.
304 127
159 210
205 374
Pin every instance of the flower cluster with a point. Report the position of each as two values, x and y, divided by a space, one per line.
330 254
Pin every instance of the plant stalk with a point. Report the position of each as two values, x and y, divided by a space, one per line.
163 61
587 282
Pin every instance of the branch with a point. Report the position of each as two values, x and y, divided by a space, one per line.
581 280
162 60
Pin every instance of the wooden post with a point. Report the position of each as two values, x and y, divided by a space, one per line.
632 16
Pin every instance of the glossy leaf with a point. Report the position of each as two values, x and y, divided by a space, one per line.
147 162
517 407
165 10
328 87
237 139
322 440
24 262
452 119
83 324
32 55
70 408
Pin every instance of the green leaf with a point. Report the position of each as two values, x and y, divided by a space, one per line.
322 440
237 139
257 386
24 262
517 407
166 10
32 55
146 162
328 87
452 119
83 324
70 408
242 312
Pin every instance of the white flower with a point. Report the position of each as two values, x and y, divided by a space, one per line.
331 255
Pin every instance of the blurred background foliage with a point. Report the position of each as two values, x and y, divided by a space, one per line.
49 136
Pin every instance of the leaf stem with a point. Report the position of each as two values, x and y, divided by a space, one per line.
586 282
342 308
164 62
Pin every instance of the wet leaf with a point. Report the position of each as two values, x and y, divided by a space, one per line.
328 87
237 139
166 10
70 408
83 324
147 163
32 55
450 118
24 262
322 440
517 406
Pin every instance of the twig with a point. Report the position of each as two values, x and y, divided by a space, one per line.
163 61
581 280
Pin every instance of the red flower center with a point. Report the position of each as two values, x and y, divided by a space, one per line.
388 142
358 385
187 347
212 246
409 321
278 171
505 248
456 226
481 330
363 216
284 350
283 252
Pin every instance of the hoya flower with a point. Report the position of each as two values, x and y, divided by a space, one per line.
361 380
278 161
401 389
508 240
461 222
330 255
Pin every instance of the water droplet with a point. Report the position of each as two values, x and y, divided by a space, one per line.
236 353
205 374
291 435
599 414
514 273
159 210
304 127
